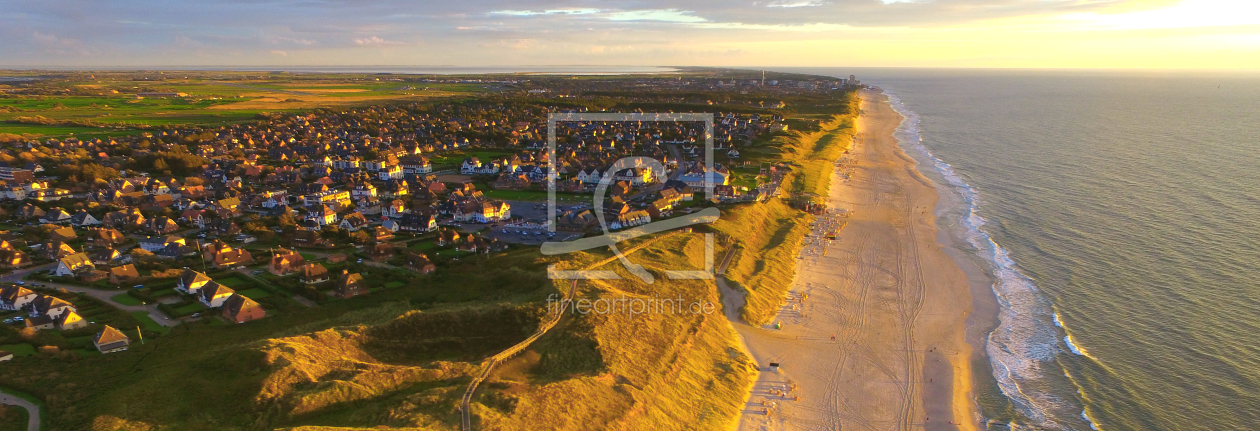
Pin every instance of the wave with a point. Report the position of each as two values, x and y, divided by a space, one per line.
1067 339
1026 341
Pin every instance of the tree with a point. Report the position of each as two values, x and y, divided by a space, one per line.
360 237
140 252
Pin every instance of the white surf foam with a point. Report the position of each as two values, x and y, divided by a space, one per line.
1025 341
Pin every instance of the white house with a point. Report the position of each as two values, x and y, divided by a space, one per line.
590 176
73 264
155 244
191 282
82 218
213 294
391 172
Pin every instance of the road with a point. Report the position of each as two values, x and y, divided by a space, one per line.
101 294
32 410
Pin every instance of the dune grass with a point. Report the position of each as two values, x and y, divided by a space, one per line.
768 236
667 369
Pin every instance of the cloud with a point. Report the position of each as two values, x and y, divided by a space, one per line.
585 11
376 41
666 15
792 4
279 53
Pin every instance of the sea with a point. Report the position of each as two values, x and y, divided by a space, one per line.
1117 214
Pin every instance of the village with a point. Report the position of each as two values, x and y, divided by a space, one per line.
236 222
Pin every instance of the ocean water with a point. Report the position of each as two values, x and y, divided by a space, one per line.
1118 215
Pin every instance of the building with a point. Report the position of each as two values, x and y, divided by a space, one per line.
70 320
72 265
155 244
350 285
123 274
285 261
240 309
214 294
314 273
191 282
16 297
111 340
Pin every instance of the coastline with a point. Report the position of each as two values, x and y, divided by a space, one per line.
876 328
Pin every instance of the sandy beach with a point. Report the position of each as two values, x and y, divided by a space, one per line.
873 334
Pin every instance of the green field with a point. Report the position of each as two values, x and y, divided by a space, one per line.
231 281
148 323
126 299
255 293
19 350
191 308
394 284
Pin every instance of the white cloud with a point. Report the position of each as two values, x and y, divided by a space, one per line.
795 3
584 11
667 15
376 41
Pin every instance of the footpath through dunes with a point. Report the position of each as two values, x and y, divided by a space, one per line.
872 333
668 368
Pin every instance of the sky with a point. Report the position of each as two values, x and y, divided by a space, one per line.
1163 34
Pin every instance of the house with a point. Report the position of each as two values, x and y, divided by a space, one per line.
631 219
130 218
45 305
447 237
590 176
163 225
111 340
63 234
5 356
11 258
419 262
213 294
349 285
240 309
307 237
105 237
314 273
31 211
82 218
72 265
56 215
382 234
191 282
698 175
108 256
324 216
396 209
285 261
155 244
16 297
225 256
57 250
70 320
353 222
382 251
123 274
483 212
363 190
40 323
418 223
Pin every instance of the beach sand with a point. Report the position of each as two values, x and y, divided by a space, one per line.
885 289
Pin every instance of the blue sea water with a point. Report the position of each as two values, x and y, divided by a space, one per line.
1117 214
